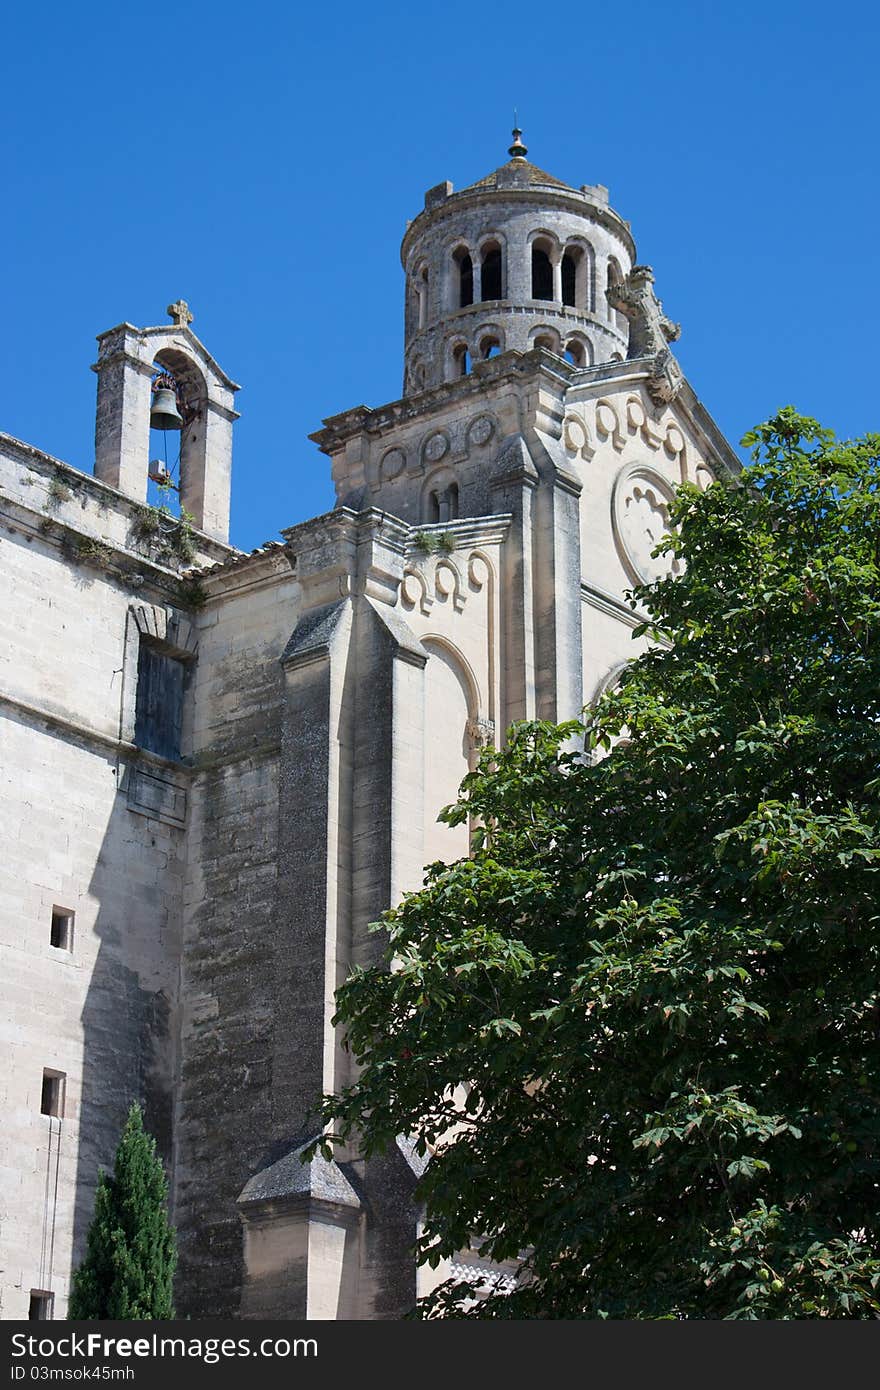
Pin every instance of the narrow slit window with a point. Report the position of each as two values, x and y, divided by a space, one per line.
52 1096
41 1307
613 278
61 931
422 291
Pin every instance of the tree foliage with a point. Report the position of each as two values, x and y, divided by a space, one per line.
637 1030
131 1250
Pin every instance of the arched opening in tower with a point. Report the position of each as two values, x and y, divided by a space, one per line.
569 279
422 291
490 279
542 274
575 353
461 360
465 267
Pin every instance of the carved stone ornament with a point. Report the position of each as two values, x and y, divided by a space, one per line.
649 328
650 331
481 430
640 518
435 447
576 436
393 462
481 732
665 380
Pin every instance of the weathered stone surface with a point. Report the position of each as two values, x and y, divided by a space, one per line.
289 1176
336 685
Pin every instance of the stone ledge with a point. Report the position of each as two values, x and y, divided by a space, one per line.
107 743
28 455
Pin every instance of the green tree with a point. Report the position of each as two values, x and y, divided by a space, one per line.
131 1251
639 1029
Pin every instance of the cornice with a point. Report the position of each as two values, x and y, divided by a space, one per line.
486 377
161 330
138 574
99 741
611 605
466 532
541 195
105 496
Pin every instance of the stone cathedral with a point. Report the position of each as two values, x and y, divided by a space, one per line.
219 768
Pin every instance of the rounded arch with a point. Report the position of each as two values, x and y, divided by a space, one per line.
462 276
439 499
493 234
547 337
578 274
451 704
490 341
192 401
545 255
578 350
190 379
548 239
418 374
458 362
436 642
492 256
609 681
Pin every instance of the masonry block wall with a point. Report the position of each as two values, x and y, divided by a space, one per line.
93 828
219 769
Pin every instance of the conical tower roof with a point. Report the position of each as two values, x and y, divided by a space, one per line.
518 171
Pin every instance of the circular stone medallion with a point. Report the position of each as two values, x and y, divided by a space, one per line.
393 462
481 430
640 517
435 447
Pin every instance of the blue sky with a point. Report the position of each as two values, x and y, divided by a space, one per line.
261 161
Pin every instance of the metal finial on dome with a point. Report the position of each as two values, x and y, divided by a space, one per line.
517 149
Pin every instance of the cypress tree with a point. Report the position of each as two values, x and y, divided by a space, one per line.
131 1251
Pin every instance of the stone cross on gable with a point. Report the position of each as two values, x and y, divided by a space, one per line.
180 313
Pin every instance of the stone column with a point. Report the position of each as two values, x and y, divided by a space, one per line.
558 626
478 277
513 490
122 423
206 470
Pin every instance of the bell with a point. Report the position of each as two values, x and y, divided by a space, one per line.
164 414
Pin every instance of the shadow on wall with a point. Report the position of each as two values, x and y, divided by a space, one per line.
127 1014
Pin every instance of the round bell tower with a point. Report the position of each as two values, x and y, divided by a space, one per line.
517 260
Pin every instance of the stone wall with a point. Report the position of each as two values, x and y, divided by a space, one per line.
512 218
94 826
233 962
